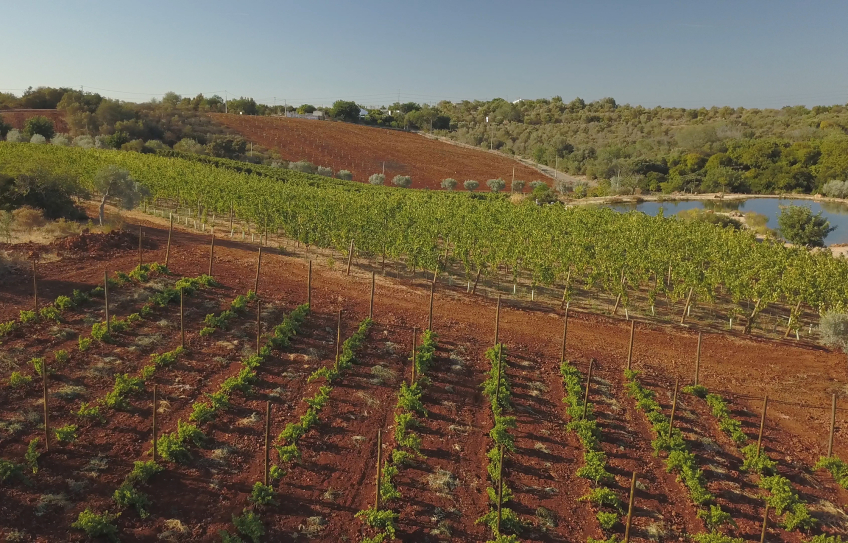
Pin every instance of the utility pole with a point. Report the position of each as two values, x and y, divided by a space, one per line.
225 102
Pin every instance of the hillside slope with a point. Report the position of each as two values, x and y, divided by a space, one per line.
363 150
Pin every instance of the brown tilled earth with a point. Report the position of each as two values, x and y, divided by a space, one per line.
321 493
18 118
363 150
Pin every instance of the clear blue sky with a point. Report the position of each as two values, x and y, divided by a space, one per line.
672 53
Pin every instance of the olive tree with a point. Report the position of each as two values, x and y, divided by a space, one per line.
834 330
377 179
39 125
403 181
114 182
471 185
449 184
344 174
518 185
836 189
326 172
38 139
14 136
60 140
799 226
496 185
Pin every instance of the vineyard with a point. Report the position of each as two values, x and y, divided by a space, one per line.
364 150
273 380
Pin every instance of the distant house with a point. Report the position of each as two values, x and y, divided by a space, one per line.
363 113
317 115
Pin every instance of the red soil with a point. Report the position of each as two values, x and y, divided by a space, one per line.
18 118
206 492
363 150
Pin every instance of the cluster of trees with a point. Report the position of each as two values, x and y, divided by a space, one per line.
636 149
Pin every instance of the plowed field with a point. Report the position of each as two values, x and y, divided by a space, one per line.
364 150
18 118
444 489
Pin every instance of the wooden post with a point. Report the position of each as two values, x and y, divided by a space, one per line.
497 319
789 323
562 304
211 253
630 509
258 325
349 257
498 382
673 406
34 287
686 307
500 490
258 266
106 300
46 421
564 336
154 422
309 286
231 219
267 440
765 524
832 426
432 295
168 247
338 338
588 382
414 333
371 305
698 360
630 348
182 319
615 307
379 466
140 232
762 425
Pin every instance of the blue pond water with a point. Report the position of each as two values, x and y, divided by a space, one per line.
836 213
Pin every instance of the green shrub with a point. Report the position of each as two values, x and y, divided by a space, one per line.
125 385
97 525
696 390
602 496
143 471
84 343
262 495
61 356
249 525
67 433
100 332
836 467
32 454
756 463
50 313
715 518
90 412
716 537
383 519
37 365
63 303
27 317
7 327
409 398
510 522
10 471
127 495
18 379
607 520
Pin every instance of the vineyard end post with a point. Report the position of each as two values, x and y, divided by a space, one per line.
211 253
140 259
106 300
258 324
154 422
349 257
762 425
34 286
497 319
379 466
630 347
168 246
267 440
588 384
182 318
564 336
371 304
338 338
498 382
258 266
309 286
765 524
698 360
46 421
673 406
432 295
500 489
414 332
630 509
832 426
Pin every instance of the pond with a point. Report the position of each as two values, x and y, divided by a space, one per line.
836 213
